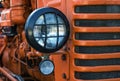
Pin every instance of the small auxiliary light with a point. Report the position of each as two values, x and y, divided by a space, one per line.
46 67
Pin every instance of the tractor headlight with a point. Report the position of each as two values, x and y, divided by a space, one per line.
46 67
47 30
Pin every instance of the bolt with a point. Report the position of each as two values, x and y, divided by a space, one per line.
64 76
63 57
68 48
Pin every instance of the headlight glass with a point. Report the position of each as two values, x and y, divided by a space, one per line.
50 30
46 67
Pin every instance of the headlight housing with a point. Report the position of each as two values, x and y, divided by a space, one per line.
47 30
46 67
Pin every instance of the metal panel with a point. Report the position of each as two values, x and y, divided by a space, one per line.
95 49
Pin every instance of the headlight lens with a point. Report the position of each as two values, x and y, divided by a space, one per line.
51 34
46 67
47 30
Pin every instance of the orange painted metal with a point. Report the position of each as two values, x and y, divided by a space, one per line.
93 29
19 11
61 61
10 77
97 56
96 16
34 4
16 14
97 43
95 2
62 71
34 72
3 43
1 79
6 4
14 3
6 18
14 50
73 55
59 4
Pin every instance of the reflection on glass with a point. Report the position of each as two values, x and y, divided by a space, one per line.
50 18
60 40
37 39
51 43
43 31
39 35
62 30
60 20
40 20
39 31
41 42
51 30
36 31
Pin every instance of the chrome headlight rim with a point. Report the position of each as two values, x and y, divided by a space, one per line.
31 22
42 63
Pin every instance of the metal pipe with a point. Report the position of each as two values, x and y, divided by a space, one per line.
1 79
20 61
7 74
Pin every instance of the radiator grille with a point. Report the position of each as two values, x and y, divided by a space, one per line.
97 62
98 9
97 36
85 50
97 23
96 49
97 75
